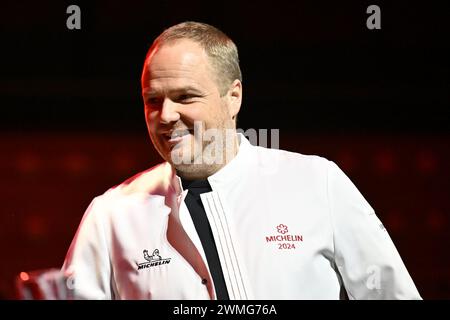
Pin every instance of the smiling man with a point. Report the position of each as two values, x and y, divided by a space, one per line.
226 219
182 87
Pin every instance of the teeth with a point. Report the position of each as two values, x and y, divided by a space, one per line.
178 133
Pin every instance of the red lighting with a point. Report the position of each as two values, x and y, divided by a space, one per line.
437 221
24 276
394 221
385 162
28 162
35 226
76 163
426 162
346 161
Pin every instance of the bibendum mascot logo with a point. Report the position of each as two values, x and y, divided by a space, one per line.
154 256
152 260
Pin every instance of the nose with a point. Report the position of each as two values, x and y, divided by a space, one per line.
169 112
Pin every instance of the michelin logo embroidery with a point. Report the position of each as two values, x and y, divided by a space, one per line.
153 260
283 239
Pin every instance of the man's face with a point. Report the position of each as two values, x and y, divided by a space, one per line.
179 88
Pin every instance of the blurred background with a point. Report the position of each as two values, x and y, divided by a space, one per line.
377 102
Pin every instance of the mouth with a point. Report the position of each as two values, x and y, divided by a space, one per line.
175 136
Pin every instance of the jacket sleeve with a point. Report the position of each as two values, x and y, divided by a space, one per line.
87 262
367 260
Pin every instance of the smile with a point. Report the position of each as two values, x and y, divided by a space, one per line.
176 136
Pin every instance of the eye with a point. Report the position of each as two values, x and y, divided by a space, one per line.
153 102
185 98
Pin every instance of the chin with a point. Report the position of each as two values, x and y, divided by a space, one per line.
191 172
180 157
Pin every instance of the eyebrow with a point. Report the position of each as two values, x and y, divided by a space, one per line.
189 89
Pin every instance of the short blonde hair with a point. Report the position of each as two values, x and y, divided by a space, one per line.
218 46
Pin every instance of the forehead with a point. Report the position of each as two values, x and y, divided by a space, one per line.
177 64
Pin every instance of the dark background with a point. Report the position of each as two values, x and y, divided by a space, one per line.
374 101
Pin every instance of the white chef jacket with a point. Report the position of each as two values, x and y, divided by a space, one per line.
286 226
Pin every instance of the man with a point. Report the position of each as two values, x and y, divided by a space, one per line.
229 220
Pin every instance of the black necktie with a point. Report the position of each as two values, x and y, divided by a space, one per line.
201 223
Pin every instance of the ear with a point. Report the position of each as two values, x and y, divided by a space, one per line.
234 97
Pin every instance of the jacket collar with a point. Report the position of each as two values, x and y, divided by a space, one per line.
236 169
162 179
230 173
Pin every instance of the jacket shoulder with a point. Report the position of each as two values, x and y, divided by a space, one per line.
153 181
292 160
